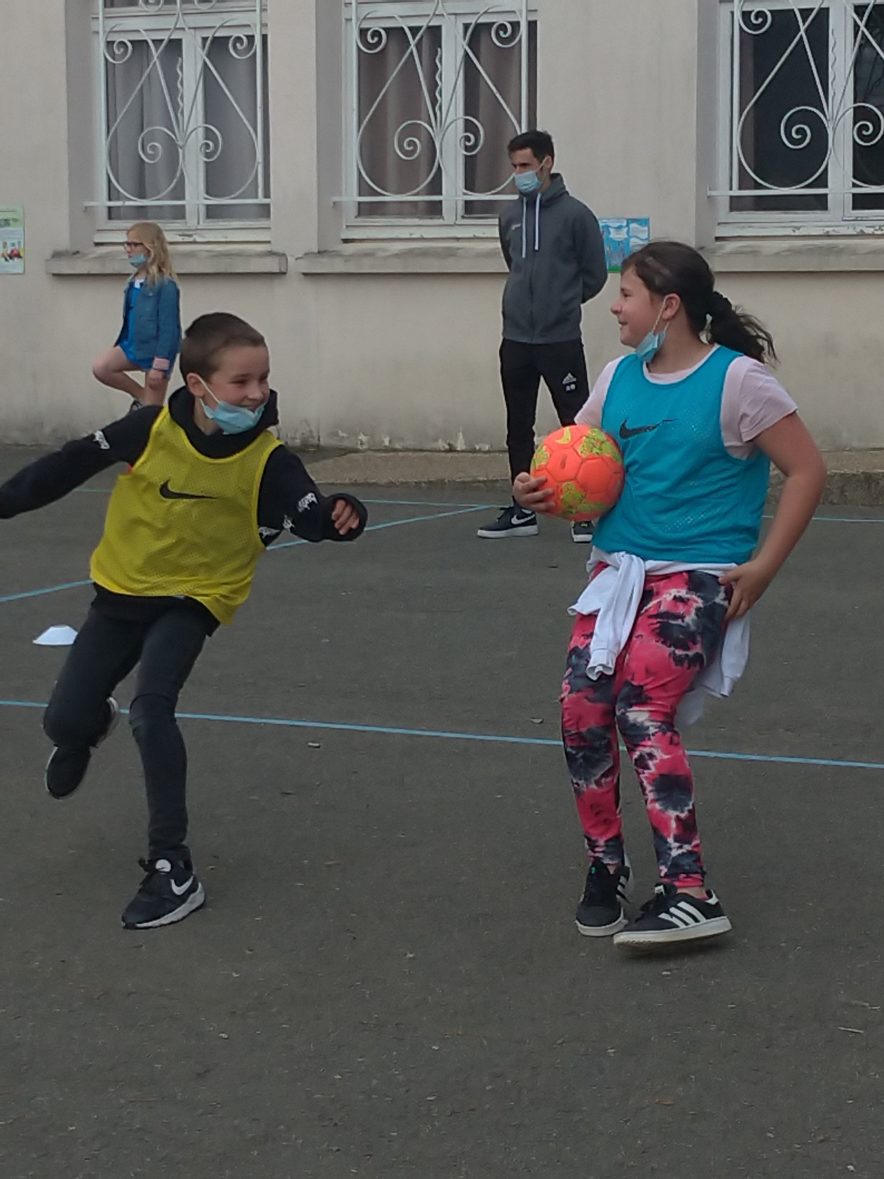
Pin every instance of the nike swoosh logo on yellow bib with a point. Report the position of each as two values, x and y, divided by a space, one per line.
167 493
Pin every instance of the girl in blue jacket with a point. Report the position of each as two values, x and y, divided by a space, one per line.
151 333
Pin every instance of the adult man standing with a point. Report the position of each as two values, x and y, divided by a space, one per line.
555 254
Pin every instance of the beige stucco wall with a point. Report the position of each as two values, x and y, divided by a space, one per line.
34 173
407 358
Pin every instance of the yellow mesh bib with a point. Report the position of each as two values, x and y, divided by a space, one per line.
183 525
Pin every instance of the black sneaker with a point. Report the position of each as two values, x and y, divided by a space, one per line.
168 892
582 531
68 764
512 521
600 912
673 916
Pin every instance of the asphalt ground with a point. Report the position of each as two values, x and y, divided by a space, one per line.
386 980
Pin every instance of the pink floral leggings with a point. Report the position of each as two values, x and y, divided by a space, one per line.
677 631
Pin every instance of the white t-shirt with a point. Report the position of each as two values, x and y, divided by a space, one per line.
753 400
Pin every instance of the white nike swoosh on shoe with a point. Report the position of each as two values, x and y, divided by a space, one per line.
180 889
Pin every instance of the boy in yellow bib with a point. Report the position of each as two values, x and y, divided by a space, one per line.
208 489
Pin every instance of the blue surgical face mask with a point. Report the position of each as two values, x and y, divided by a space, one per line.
527 182
648 348
231 419
136 260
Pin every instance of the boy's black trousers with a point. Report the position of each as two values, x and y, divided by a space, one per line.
562 367
165 649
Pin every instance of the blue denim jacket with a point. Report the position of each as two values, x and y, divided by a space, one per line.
156 330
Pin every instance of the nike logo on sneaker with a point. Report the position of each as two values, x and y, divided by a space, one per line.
631 431
167 493
180 889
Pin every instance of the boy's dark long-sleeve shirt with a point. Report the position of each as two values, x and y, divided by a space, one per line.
288 498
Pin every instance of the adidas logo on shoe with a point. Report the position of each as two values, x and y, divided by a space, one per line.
673 916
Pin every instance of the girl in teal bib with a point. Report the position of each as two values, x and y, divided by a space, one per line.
675 568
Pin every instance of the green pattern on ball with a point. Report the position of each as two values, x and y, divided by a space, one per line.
541 457
597 443
573 501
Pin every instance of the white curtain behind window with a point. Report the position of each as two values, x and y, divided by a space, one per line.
157 144
400 106
403 102
143 160
232 107
499 68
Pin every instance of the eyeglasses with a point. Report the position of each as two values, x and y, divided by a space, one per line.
133 246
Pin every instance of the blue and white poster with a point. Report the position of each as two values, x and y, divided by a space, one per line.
12 239
623 236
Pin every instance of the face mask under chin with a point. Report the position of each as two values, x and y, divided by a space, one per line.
231 419
648 348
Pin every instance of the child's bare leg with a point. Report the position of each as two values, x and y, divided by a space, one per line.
112 367
156 385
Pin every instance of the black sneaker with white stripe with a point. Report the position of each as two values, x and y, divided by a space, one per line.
600 912
68 764
168 893
512 521
673 916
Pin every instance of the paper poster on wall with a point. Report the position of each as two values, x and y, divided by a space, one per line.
622 236
12 239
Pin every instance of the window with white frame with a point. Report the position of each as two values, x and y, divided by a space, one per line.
434 90
802 115
182 91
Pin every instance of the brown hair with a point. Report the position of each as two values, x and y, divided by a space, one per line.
159 263
210 335
539 143
672 268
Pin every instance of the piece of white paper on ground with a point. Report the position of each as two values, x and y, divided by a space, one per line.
56 636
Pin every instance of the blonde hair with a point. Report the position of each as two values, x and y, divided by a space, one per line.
159 263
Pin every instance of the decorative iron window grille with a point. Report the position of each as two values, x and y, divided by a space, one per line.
183 104
802 114
434 91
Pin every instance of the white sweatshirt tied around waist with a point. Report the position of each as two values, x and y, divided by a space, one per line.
614 596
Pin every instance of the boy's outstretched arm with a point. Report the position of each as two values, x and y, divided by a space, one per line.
289 499
55 474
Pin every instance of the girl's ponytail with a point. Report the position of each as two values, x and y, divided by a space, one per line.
672 268
734 328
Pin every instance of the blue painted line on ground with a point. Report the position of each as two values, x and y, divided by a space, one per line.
289 544
50 589
486 738
426 503
461 511
394 503
430 503
840 519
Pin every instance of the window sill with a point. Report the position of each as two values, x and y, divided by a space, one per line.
404 258
186 259
784 256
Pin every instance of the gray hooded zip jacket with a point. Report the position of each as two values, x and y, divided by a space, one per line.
555 254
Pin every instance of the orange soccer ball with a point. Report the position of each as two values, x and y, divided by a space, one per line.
584 467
